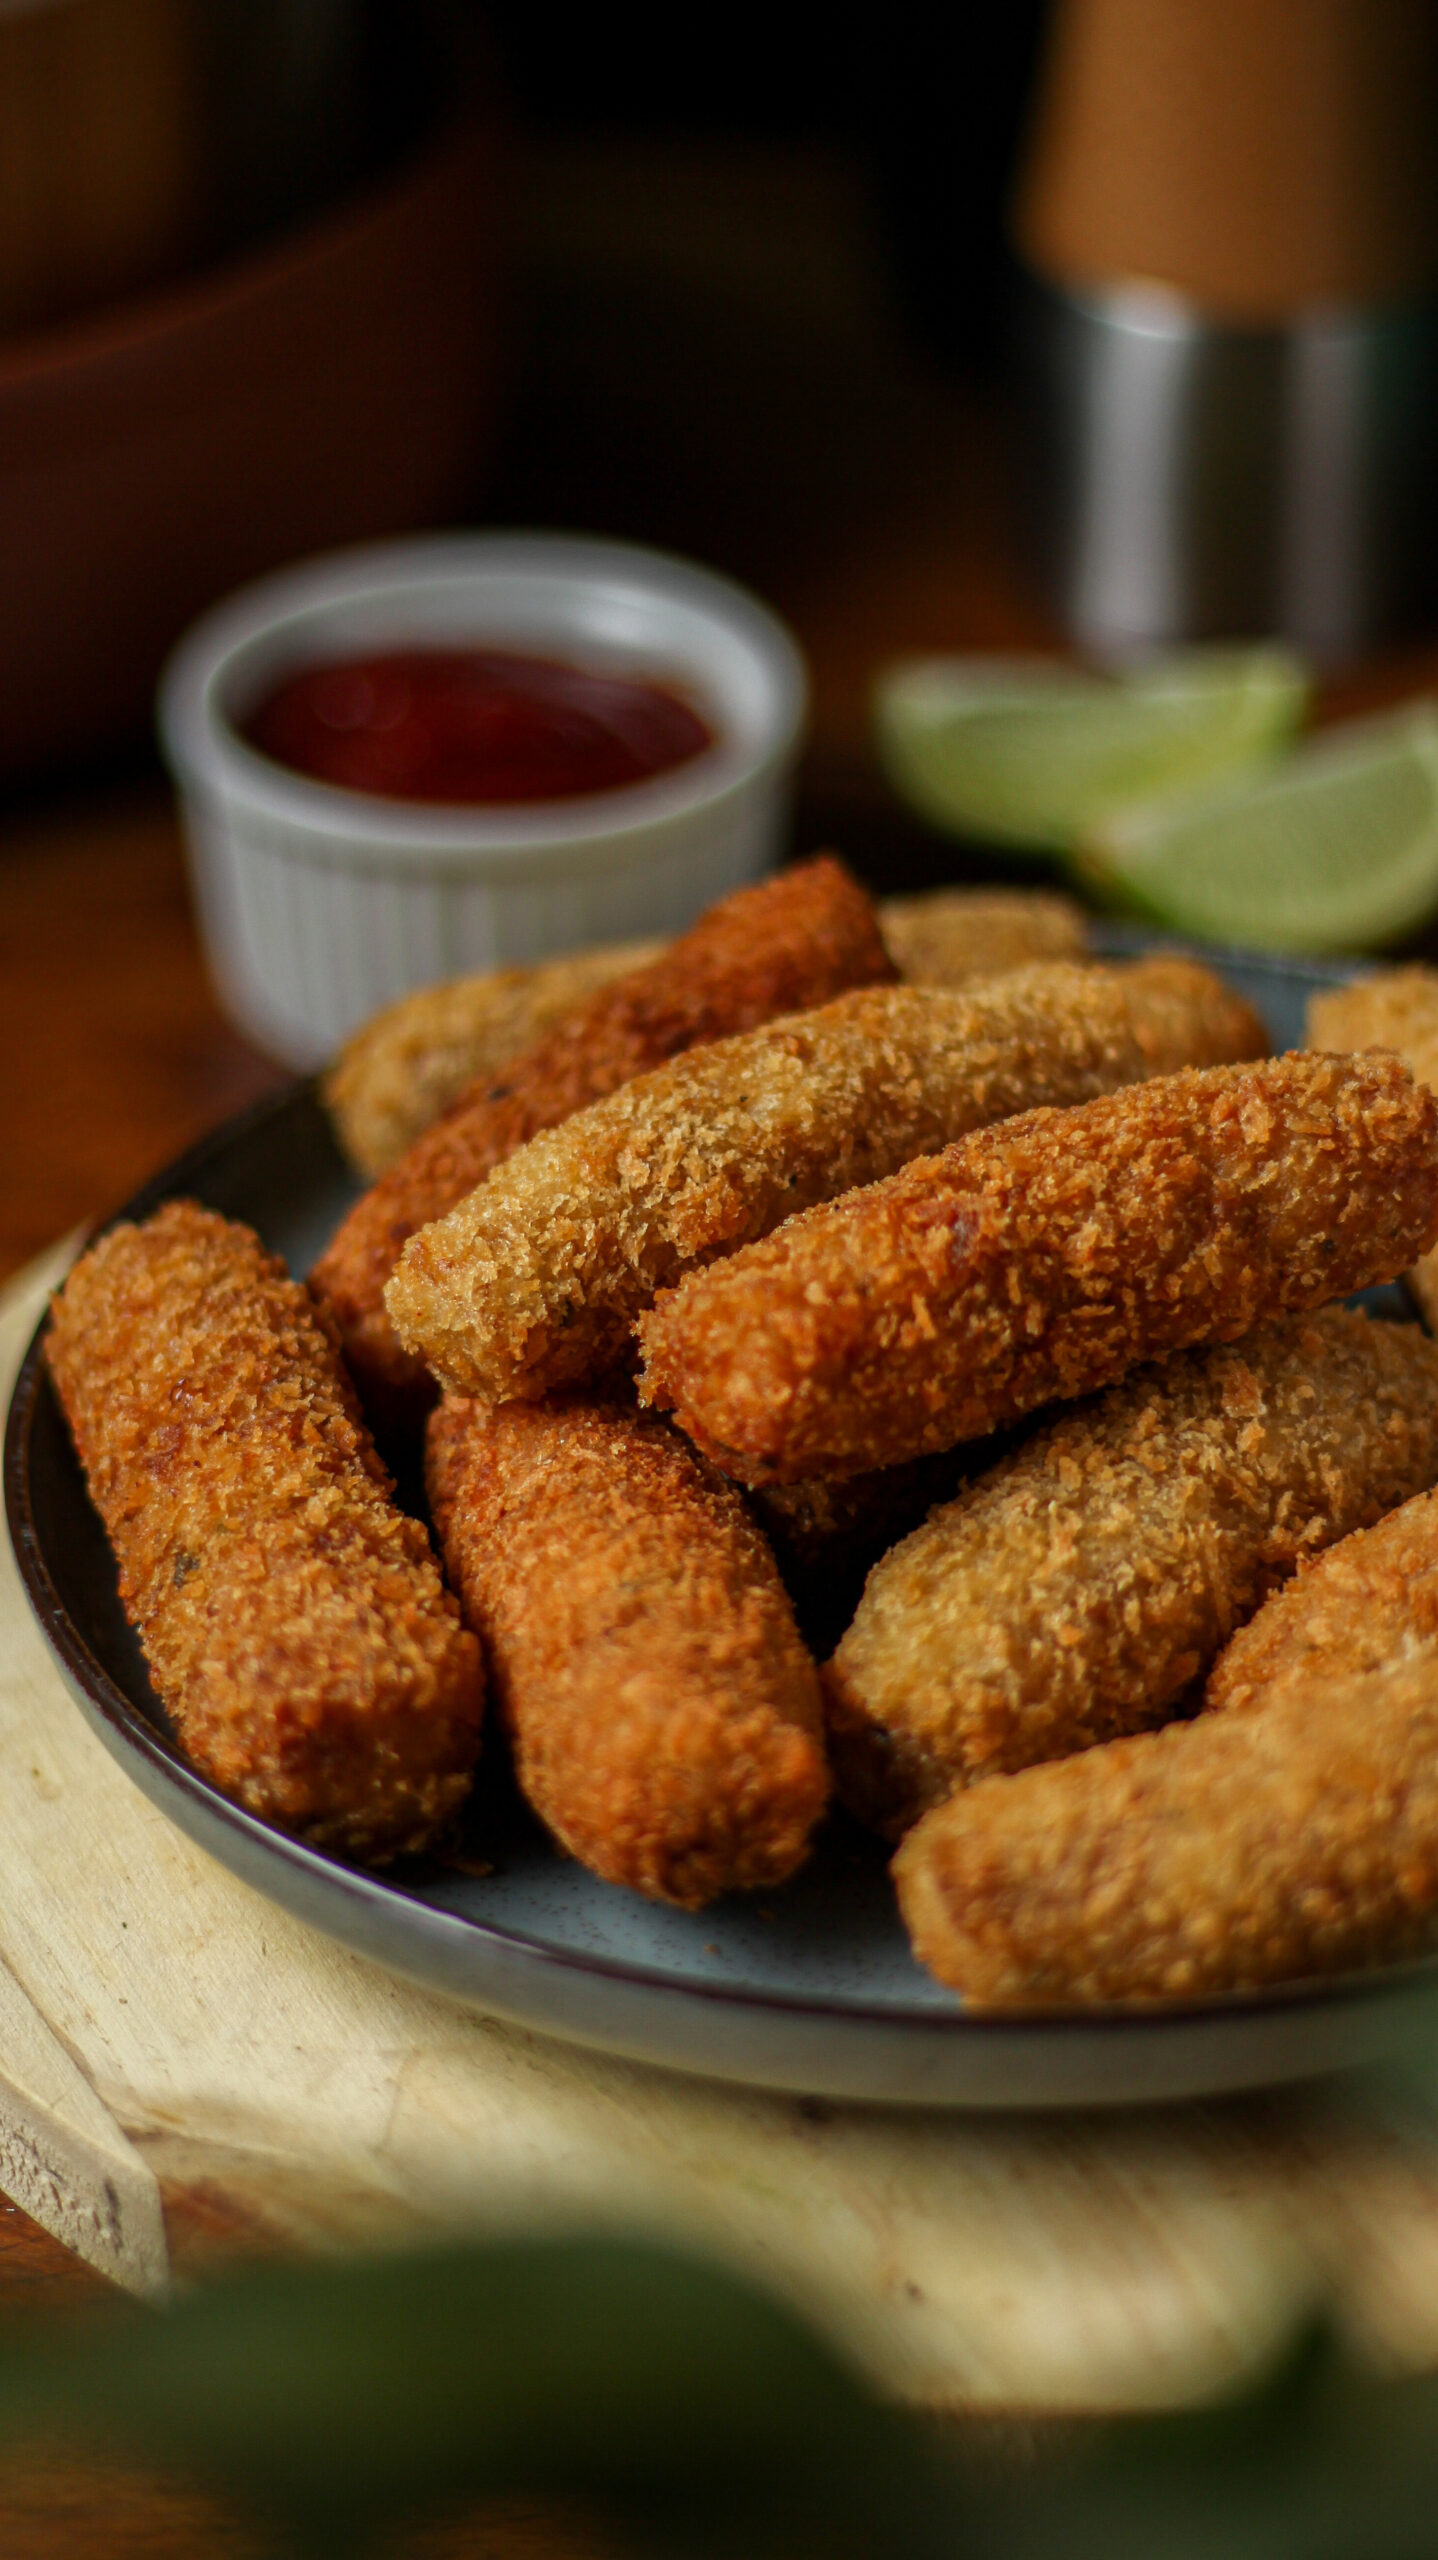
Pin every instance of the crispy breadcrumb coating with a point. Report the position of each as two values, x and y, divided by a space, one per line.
1076 1591
1360 1608
1398 1010
533 1282
790 942
1044 1257
946 937
1185 1015
402 1068
292 1617
665 1715
1394 1009
1212 1857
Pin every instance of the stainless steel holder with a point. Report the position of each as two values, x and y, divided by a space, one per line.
1198 481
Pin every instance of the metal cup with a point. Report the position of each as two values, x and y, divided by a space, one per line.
1195 480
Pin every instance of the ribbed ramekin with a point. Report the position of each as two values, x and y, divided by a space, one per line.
318 905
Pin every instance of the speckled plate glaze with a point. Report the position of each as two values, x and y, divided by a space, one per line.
811 1990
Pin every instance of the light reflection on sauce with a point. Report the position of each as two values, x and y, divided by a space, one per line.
483 727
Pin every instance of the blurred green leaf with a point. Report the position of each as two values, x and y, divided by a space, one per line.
333 2400
694 2413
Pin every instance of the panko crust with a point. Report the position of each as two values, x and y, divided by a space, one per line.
792 941
293 1619
407 1064
402 1068
664 1713
1212 1857
1185 1015
1043 1258
1397 1009
533 1282
1076 1591
946 937
1394 1009
1361 1607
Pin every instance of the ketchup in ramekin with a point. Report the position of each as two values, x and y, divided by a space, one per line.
477 727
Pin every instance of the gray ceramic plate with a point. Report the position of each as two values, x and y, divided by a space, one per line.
812 1989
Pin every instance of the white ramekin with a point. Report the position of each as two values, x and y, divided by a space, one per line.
318 905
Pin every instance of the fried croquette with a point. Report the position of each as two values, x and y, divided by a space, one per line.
293 1619
1394 1009
403 1067
1212 1857
946 937
1185 1015
1076 1591
793 941
1398 1010
664 1713
533 1282
1362 1607
1043 1258
400 1070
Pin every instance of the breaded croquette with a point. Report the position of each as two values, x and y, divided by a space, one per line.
400 1070
948 937
403 1067
664 1712
1077 1590
1398 1010
1212 1857
792 941
1043 1258
293 1619
1394 1009
1185 1015
532 1283
1360 1608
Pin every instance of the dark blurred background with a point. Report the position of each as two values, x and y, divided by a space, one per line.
734 271
760 316
925 103
276 274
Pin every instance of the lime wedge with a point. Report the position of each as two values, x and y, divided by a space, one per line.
1335 849
1030 753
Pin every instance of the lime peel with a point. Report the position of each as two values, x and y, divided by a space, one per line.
1032 753
1335 849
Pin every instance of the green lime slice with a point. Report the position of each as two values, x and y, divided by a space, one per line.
1335 850
1030 753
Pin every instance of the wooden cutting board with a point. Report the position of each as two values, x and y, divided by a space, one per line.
184 2068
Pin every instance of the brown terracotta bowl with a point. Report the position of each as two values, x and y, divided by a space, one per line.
332 385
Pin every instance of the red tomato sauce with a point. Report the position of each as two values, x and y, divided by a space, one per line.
482 726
